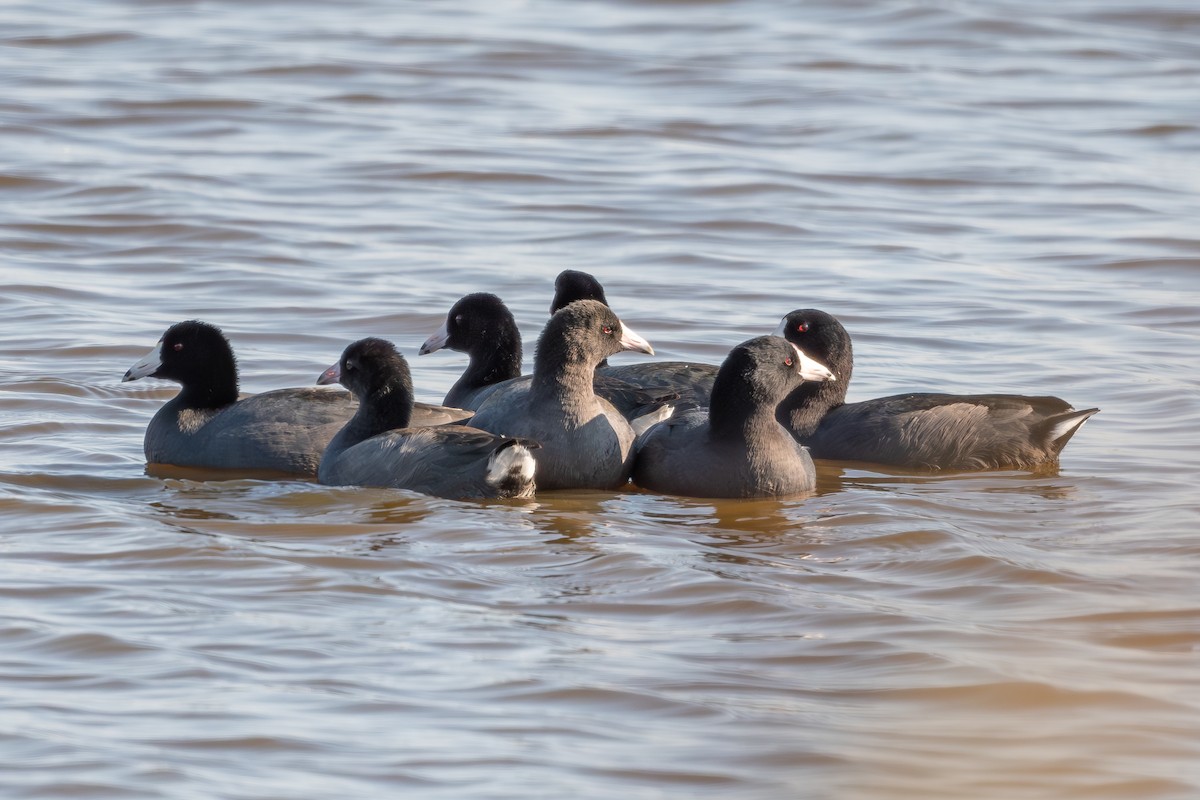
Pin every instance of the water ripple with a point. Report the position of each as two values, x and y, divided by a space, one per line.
992 198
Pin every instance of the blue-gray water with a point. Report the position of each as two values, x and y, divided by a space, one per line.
993 196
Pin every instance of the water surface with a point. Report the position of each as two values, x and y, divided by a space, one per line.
991 196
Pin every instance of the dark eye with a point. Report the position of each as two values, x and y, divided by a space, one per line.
607 330
458 319
178 346
802 327
788 361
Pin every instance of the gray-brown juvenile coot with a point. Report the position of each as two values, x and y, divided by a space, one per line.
735 448
378 448
482 326
586 443
207 426
690 381
916 430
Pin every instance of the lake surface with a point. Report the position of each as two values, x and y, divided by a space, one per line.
999 196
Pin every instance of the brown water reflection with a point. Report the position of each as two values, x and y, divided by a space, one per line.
991 197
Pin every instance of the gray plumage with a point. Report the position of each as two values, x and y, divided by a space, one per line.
689 382
482 326
586 443
378 448
926 431
735 448
209 425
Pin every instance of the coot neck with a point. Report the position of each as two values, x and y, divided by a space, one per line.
740 422
385 409
563 375
739 409
493 359
801 411
219 389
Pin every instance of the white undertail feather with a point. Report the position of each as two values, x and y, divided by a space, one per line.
643 423
1068 426
514 463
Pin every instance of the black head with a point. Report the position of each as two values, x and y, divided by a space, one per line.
572 285
371 369
374 372
822 338
585 332
756 376
197 356
475 321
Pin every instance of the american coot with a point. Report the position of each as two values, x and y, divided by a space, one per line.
736 448
586 443
207 426
378 448
483 327
690 381
572 285
919 431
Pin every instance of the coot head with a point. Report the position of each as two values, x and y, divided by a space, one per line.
473 320
371 368
771 367
757 375
586 331
572 285
822 338
197 356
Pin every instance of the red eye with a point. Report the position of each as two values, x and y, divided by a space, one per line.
788 361
802 327
607 330
178 346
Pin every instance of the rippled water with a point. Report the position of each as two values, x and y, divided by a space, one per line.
992 196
